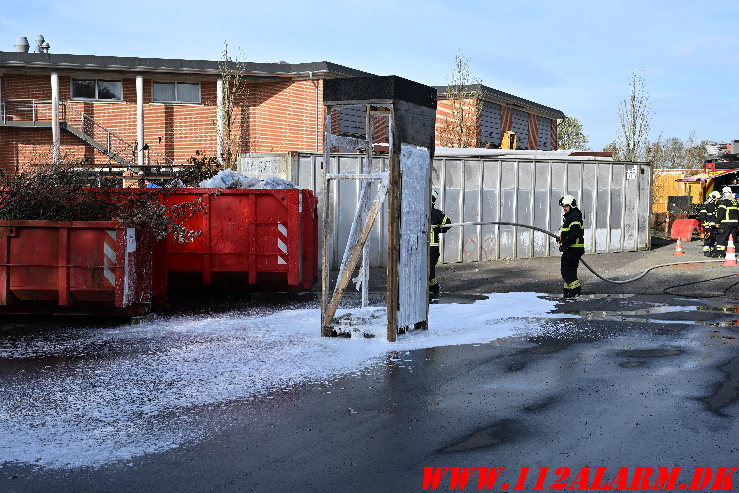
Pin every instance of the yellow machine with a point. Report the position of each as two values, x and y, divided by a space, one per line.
509 140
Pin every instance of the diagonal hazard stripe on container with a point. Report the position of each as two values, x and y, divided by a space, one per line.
109 244
282 244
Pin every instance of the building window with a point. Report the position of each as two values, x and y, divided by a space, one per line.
107 90
175 92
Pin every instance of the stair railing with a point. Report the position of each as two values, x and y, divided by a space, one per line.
112 144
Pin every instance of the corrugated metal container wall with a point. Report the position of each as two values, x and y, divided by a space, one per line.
614 198
252 239
82 266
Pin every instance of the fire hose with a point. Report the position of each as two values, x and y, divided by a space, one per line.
613 281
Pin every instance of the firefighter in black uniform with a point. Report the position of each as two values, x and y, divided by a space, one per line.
707 217
727 217
572 245
437 222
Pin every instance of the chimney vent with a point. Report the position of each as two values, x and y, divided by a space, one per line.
21 44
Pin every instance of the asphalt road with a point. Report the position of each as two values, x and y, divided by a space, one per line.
628 376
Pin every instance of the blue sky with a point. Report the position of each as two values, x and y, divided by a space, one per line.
575 56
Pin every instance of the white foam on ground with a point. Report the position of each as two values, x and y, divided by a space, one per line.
115 394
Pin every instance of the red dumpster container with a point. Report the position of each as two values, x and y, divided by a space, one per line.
81 266
252 239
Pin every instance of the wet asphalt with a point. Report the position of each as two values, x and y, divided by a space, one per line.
643 374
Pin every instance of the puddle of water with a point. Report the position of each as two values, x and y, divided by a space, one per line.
649 353
539 405
724 323
728 391
500 432
631 364
516 366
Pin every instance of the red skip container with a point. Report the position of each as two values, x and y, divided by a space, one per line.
253 239
80 267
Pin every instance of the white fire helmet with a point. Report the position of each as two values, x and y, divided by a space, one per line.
568 200
714 195
726 190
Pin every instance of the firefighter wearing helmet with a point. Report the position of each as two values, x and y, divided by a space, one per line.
707 217
572 245
727 218
437 222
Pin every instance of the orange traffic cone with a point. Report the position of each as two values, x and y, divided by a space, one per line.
679 248
730 253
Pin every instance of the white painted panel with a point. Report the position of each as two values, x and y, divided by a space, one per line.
415 163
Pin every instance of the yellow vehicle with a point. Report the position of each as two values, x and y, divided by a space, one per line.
509 140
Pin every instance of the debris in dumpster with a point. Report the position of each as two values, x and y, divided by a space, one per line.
229 178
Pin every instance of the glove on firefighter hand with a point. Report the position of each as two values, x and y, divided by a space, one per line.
562 248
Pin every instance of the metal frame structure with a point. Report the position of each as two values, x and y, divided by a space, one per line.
364 217
409 108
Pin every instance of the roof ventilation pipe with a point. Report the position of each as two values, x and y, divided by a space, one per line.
41 45
21 44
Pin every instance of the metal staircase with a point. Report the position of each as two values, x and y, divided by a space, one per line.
34 113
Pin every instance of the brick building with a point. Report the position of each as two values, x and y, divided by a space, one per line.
535 125
102 100
107 105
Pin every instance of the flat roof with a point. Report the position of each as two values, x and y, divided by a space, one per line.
57 61
497 96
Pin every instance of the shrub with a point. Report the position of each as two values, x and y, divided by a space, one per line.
64 193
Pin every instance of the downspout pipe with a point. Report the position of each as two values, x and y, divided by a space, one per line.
315 84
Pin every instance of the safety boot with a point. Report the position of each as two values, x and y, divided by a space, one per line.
434 292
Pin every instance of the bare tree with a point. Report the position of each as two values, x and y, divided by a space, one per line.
232 73
676 153
695 152
570 134
635 115
613 149
460 128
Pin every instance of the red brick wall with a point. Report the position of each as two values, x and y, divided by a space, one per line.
173 130
272 117
20 147
533 131
506 119
444 115
281 116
